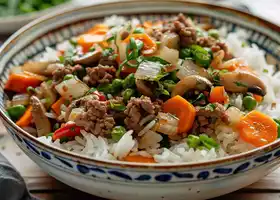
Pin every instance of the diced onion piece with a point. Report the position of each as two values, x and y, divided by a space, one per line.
188 68
122 51
20 99
170 55
170 40
167 124
234 114
74 113
148 70
72 88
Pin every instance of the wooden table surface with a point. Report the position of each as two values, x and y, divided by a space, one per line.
45 187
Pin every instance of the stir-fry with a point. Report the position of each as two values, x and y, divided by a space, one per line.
163 91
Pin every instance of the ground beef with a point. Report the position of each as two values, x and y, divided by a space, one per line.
221 46
207 116
61 71
187 36
100 74
157 34
137 109
95 118
206 41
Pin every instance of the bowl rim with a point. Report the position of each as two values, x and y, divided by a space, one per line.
121 164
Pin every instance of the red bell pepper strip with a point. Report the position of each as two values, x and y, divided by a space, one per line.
69 130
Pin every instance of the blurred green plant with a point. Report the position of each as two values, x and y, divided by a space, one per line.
17 7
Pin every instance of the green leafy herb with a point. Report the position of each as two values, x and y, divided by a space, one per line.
107 52
139 30
200 97
156 59
201 55
127 94
169 85
113 37
240 84
185 53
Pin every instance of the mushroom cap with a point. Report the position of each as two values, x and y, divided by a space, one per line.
242 81
191 82
41 121
88 58
143 88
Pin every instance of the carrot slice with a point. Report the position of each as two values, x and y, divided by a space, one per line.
257 128
183 109
218 94
150 45
147 24
98 29
19 82
258 98
139 159
56 106
26 119
87 40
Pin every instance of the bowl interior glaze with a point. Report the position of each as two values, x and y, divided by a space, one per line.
31 41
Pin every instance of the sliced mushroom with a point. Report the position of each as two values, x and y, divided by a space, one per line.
242 81
41 121
143 88
189 83
89 58
37 67
77 103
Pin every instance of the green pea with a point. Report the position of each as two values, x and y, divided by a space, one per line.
105 88
129 81
185 53
117 85
128 93
15 112
117 133
249 103
214 33
169 85
68 77
193 141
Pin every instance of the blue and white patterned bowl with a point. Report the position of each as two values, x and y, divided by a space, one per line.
117 180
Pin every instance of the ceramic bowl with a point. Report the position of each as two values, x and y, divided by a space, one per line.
118 180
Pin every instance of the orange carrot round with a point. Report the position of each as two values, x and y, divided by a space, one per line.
139 159
183 109
218 94
257 128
